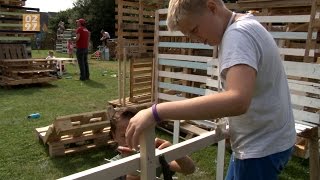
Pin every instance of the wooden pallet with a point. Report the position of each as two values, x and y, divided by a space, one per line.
75 133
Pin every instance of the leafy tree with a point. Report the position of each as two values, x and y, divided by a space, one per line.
99 14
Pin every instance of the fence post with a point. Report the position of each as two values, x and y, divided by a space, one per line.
147 152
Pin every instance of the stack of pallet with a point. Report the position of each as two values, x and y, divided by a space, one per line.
17 69
11 28
75 133
62 39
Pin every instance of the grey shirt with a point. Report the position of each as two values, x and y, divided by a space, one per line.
268 125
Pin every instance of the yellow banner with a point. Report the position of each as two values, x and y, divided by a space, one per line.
31 22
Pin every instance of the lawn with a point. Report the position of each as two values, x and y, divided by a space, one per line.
23 157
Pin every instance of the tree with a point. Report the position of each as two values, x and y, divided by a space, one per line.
99 14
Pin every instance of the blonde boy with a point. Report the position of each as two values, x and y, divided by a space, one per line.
256 95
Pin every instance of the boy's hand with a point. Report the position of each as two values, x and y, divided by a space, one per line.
161 143
141 121
125 150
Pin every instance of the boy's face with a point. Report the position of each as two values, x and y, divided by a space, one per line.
206 27
119 135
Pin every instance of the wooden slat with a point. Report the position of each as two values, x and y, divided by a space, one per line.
185 45
284 19
168 97
292 35
307 70
182 76
185 64
305 101
304 86
295 52
186 57
181 88
304 116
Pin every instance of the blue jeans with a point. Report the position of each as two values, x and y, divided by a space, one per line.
82 57
265 168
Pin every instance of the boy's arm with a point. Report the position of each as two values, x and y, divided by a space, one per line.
240 80
183 165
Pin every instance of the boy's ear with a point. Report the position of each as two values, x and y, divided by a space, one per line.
212 6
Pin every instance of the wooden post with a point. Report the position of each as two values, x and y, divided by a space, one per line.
314 155
140 31
147 151
221 150
314 6
120 30
176 132
124 75
155 73
119 80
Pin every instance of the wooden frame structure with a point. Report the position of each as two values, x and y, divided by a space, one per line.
135 26
173 83
11 31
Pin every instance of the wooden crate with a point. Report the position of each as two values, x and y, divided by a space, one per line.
76 133
17 69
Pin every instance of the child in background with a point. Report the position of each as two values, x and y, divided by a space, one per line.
56 63
119 123
70 48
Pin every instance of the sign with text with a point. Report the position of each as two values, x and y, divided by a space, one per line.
31 22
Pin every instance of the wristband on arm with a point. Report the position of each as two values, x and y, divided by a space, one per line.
155 113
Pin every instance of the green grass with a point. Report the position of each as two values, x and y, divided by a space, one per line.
23 157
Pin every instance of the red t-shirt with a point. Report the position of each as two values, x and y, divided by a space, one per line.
84 37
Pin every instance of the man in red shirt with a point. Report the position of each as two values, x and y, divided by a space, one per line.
82 43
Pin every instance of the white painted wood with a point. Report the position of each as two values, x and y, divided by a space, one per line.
182 76
220 159
212 83
304 86
185 57
185 64
304 116
212 71
295 52
292 35
130 164
300 69
185 45
176 132
147 154
283 19
163 11
181 88
305 101
171 33
168 97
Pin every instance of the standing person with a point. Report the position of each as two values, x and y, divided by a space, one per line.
70 48
105 36
82 44
256 96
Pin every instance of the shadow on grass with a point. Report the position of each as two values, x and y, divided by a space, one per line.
94 84
27 89
81 161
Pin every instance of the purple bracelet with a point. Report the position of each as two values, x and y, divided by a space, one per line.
155 113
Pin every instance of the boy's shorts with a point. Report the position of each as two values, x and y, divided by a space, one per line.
265 168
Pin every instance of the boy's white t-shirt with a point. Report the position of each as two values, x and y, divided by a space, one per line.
268 125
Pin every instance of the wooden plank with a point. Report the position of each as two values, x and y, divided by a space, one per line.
185 45
182 76
182 88
171 33
304 86
129 164
187 58
284 19
304 116
295 52
168 97
305 101
292 35
299 69
185 64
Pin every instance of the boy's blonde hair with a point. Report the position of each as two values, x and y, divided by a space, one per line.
180 9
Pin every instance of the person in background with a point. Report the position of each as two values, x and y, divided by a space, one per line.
70 48
105 36
119 123
82 44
